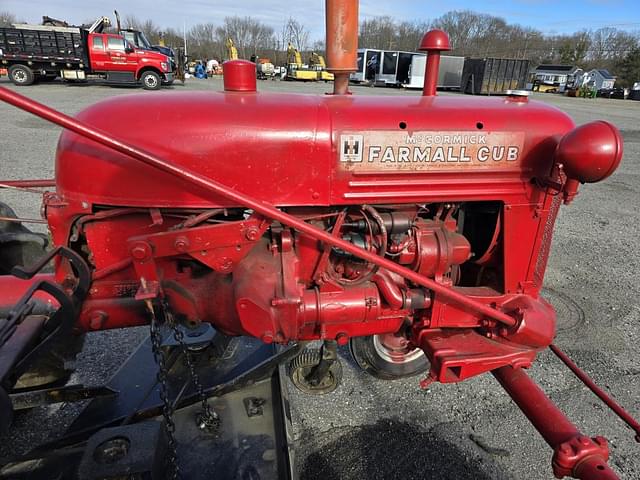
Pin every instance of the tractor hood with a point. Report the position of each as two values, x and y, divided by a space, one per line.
304 150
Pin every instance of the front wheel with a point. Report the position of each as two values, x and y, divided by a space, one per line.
150 80
388 356
21 75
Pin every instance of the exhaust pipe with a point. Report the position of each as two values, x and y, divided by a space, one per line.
342 42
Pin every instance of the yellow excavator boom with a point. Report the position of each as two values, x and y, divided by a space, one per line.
232 51
294 55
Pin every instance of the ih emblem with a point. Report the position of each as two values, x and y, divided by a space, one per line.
351 147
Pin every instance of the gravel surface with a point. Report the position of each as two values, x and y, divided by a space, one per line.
375 429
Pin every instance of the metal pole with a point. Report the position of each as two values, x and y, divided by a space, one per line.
556 429
264 208
601 394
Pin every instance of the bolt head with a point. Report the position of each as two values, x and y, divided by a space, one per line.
181 244
252 234
140 251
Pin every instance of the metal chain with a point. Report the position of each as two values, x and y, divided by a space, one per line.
208 420
167 406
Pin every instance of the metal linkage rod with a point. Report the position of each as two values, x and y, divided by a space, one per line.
601 394
40 183
575 454
264 208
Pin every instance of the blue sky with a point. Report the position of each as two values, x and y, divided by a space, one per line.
559 16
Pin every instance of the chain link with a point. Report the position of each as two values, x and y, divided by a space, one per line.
208 420
173 472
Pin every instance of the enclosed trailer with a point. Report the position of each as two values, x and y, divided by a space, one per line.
487 76
449 75
394 69
368 66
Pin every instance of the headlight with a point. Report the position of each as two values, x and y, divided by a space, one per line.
164 66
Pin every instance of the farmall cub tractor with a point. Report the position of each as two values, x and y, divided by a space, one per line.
416 230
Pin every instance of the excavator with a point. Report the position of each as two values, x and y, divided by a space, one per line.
296 70
232 51
317 63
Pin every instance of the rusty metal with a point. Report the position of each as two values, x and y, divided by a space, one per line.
22 220
341 41
43 183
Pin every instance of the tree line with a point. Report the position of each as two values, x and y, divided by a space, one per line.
472 34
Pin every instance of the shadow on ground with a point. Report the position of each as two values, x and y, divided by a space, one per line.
392 449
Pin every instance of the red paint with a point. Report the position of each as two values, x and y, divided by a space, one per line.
239 76
433 42
591 152
256 220
574 453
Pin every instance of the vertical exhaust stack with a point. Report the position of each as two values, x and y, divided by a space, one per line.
342 42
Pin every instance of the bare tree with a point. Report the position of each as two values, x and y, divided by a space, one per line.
203 41
7 19
249 35
297 34
573 49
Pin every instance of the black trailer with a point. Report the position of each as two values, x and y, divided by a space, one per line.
489 76
45 50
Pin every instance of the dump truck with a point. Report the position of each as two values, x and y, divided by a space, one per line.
44 52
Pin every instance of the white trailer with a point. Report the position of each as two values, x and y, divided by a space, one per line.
394 68
368 66
449 76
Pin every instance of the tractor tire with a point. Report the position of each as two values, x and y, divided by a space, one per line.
54 367
374 355
21 75
150 80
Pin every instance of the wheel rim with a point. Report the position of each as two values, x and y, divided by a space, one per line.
150 81
394 349
20 76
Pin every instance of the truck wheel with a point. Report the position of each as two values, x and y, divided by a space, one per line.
150 80
21 75
387 356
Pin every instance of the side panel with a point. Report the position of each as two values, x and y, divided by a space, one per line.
279 152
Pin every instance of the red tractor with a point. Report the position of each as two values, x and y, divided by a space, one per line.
394 225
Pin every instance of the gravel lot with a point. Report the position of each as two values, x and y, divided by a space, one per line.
385 430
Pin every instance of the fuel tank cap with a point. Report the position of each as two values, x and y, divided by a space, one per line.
239 76
517 93
517 96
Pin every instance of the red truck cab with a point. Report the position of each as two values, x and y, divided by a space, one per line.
117 59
